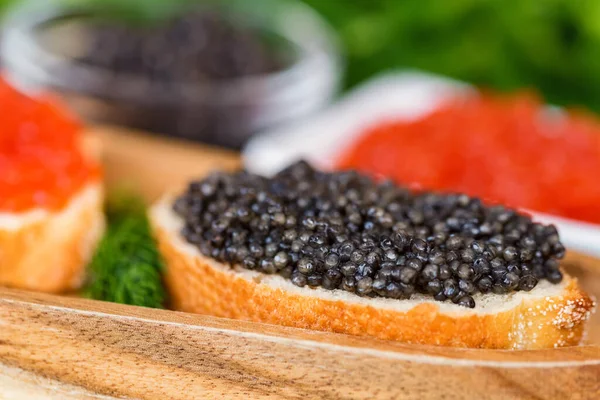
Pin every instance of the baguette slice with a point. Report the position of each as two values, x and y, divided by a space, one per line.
48 251
548 316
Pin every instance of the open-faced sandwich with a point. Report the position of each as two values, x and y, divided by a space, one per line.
50 195
341 252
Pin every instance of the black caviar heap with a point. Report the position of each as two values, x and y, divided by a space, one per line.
345 231
199 46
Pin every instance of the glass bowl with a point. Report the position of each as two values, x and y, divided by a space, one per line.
39 39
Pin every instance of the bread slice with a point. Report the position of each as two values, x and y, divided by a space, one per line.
48 251
548 316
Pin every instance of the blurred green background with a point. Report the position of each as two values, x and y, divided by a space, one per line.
551 45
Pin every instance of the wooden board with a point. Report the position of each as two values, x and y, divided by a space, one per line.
134 352
150 164
63 348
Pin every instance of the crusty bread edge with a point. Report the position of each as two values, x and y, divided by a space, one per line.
201 285
48 251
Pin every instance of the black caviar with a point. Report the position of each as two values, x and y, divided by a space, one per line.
203 45
345 231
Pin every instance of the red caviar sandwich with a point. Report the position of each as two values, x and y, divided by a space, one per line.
50 195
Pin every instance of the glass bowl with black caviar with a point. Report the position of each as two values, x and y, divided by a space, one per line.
214 72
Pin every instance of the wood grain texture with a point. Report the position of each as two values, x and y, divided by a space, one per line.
134 352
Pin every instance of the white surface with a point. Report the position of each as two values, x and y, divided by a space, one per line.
407 95
17 384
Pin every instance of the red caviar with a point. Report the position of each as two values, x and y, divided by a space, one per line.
41 162
509 150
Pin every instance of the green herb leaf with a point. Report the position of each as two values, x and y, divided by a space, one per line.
127 267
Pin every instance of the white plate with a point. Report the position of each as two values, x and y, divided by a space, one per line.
407 95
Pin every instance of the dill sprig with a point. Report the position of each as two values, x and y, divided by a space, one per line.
127 267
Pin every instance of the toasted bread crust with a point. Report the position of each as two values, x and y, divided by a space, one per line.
197 286
50 253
